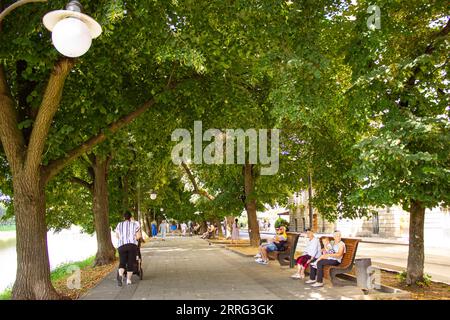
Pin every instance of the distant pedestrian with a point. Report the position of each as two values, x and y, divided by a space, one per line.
190 228
235 232
128 233
173 228
154 229
183 229
163 230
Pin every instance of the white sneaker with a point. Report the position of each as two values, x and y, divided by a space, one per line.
310 281
295 276
263 262
258 260
128 281
258 255
317 284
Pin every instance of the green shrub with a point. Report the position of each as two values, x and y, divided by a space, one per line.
281 222
425 283
6 295
401 276
61 271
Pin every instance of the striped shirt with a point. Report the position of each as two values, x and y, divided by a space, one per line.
127 232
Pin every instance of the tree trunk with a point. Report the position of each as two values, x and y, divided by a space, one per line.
250 206
158 222
148 224
33 266
416 257
203 227
230 221
125 187
310 207
219 227
105 250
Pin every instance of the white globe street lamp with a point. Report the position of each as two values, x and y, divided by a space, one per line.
153 195
72 30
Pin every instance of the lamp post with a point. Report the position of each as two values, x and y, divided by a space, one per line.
72 30
153 197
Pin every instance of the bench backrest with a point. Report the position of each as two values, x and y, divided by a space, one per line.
292 239
351 245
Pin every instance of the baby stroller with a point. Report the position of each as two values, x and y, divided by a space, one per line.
137 268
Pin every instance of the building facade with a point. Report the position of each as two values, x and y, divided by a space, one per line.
388 222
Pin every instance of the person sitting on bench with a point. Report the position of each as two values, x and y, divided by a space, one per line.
312 252
276 244
209 233
196 228
327 249
332 259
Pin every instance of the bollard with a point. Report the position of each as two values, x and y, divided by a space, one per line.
362 273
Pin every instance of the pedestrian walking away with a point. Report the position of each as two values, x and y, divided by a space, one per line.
163 230
128 233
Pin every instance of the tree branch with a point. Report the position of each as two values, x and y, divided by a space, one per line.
428 50
82 182
197 190
57 165
49 106
15 5
10 135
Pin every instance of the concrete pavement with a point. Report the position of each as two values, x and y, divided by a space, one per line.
395 257
189 268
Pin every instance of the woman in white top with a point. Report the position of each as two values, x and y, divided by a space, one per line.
328 259
312 252
183 229
235 231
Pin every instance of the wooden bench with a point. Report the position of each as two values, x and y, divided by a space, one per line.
286 257
346 265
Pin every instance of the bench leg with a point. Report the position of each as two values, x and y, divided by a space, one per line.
282 259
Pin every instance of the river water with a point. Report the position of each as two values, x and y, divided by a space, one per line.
65 246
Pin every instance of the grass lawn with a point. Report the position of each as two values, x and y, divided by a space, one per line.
5 295
90 276
8 228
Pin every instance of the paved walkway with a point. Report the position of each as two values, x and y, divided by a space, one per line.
189 268
395 257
